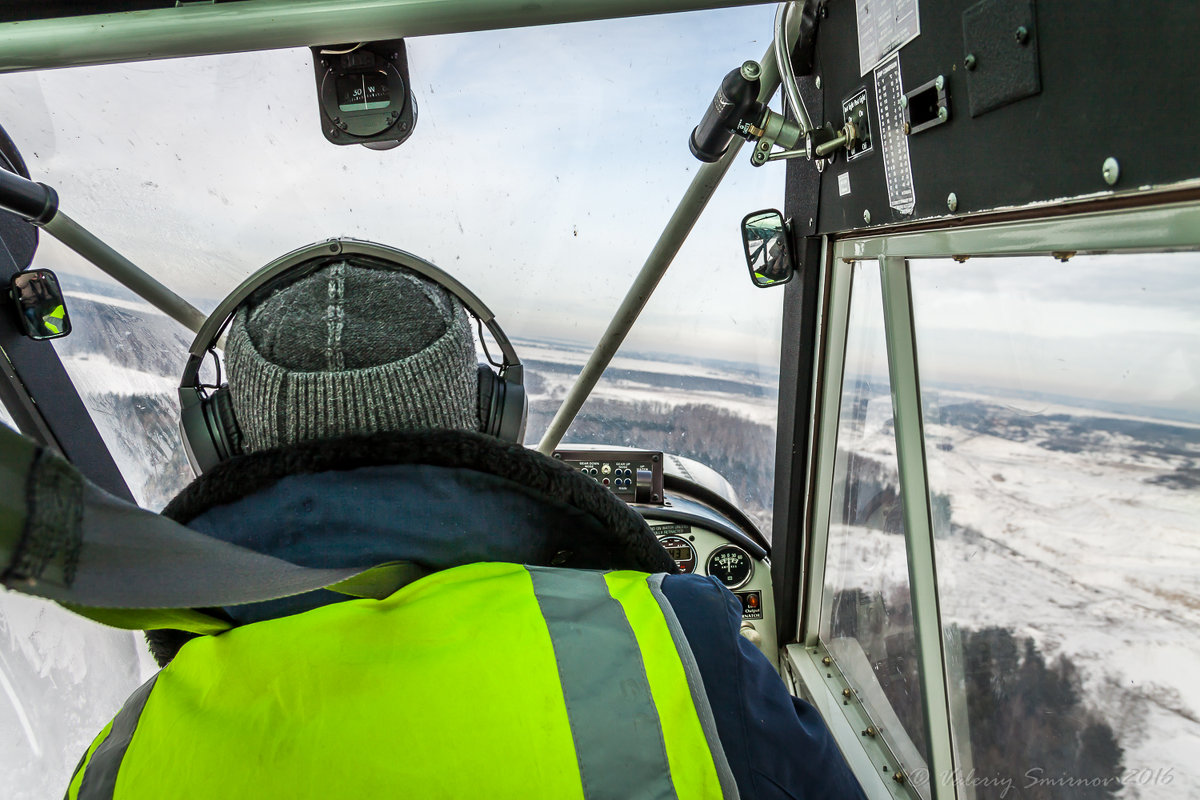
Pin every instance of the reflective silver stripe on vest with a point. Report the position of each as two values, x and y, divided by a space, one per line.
100 775
614 722
704 710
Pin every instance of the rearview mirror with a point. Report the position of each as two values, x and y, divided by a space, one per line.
768 255
40 305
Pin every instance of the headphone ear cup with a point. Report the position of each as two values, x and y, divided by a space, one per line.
488 404
511 424
227 436
209 430
503 407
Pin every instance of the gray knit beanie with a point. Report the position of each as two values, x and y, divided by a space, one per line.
351 349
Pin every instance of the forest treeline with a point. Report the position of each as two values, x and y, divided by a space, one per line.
1032 736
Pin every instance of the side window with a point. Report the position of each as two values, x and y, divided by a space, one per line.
866 615
1061 411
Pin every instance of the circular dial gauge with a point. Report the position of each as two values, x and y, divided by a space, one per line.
731 565
682 551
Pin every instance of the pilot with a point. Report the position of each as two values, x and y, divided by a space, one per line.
540 647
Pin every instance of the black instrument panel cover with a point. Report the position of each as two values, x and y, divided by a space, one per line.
1116 80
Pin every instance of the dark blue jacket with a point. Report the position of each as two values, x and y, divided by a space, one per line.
454 512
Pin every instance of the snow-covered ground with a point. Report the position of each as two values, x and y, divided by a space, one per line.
1077 550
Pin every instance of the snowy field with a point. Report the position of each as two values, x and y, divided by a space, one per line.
1080 551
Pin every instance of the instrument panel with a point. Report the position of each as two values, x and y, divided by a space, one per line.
701 547
693 512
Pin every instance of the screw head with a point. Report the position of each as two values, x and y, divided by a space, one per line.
943 113
404 125
939 82
751 70
867 216
827 661
969 61
1022 35
846 692
1111 171
904 101
817 81
952 202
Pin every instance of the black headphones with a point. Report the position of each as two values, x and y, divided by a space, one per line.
207 423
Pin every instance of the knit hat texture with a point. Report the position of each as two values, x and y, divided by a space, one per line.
351 349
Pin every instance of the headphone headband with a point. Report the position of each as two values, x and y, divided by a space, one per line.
334 249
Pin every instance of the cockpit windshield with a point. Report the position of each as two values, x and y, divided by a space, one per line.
542 168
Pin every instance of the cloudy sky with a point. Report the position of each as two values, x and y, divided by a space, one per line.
544 165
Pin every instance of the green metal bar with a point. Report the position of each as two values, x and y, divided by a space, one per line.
828 407
195 29
95 250
918 520
1162 227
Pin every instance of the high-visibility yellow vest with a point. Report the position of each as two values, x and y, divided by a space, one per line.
488 680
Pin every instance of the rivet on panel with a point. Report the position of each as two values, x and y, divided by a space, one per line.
1111 171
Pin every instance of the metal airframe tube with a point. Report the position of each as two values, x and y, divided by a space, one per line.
694 200
88 245
918 519
195 29
782 47
835 324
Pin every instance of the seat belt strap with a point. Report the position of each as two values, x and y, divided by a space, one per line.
65 539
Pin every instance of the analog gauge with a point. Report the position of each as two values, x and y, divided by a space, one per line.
682 551
731 565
